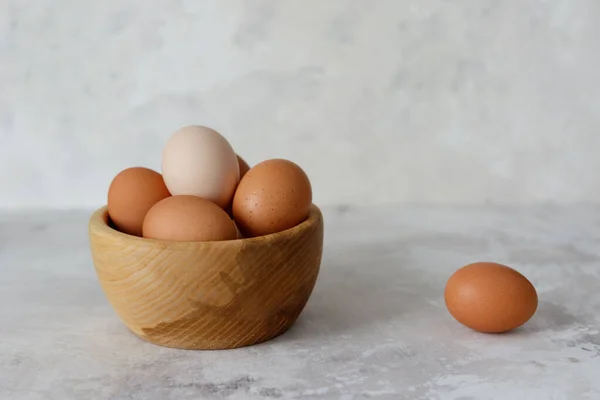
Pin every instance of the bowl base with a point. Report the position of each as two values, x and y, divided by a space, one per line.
223 343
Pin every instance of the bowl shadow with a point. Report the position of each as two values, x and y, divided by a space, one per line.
363 285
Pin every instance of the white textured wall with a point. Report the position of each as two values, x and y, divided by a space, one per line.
380 101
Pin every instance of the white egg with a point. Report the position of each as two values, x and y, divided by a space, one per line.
199 161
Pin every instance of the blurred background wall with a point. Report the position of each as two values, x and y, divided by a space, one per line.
430 101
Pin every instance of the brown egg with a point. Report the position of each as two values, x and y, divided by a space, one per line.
244 167
188 218
273 196
131 194
489 297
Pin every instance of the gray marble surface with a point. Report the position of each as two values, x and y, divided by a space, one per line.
375 327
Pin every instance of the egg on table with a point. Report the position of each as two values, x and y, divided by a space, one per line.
131 194
490 297
273 196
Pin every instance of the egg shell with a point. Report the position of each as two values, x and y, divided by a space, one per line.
239 234
188 218
490 297
199 161
273 196
244 167
131 194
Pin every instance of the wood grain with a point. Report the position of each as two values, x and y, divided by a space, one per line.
208 295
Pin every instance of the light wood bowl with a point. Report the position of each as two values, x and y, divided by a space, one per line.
208 295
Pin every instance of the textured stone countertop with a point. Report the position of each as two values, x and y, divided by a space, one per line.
375 327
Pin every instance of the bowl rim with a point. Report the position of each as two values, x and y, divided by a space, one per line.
99 221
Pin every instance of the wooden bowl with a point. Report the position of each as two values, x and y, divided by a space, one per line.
208 295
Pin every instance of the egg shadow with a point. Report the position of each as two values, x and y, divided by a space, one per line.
352 292
548 317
